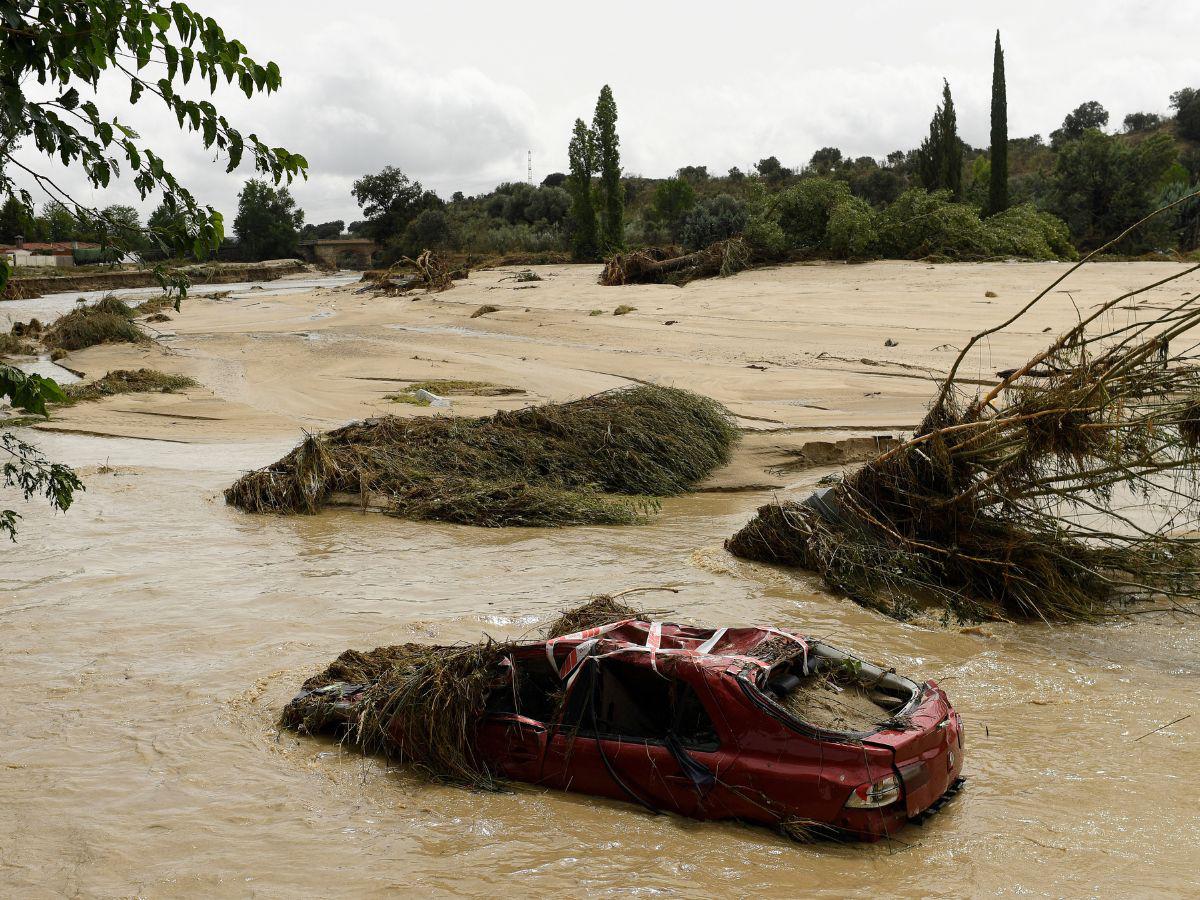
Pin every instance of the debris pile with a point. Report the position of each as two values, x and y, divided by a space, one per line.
431 272
654 266
604 459
420 704
108 321
1062 493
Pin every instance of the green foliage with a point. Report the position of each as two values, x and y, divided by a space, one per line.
29 392
852 230
1103 184
389 201
715 219
14 220
940 157
803 210
267 222
325 231
428 231
1090 116
1025 232
765 238
998 168
24 466
771 170
582 156
921 224
1184 221
673 198
1186 103
826 161
692 173
157 48
608 161
1142 121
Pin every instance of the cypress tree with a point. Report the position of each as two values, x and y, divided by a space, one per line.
940 157
998 186
604 124
582 154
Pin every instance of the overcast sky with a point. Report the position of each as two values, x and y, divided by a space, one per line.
454 94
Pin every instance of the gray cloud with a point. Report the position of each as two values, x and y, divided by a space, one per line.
456 94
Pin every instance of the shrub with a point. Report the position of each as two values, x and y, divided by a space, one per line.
713 220
765 238
921 224
852 233
803 210
1026 232
430 230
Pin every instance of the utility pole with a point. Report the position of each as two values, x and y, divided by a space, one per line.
529 170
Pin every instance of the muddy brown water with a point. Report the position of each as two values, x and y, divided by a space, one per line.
151 635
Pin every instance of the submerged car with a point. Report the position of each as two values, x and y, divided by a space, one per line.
755 724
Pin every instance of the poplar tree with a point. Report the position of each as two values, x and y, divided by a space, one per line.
998 186
604 125
940 157
582 156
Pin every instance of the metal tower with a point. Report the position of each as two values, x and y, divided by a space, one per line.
529 170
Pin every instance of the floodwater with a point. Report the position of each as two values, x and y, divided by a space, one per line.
151 636
48 307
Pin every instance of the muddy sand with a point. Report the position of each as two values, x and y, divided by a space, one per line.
152 634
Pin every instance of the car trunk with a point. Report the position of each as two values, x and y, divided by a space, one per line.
928 755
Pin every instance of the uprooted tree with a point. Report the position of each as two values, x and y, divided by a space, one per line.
1065 492
48 52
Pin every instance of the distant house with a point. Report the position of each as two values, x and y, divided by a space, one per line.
49 253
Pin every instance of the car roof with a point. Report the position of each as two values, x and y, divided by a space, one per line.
645 642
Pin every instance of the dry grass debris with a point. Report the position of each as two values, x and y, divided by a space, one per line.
108 321
604 459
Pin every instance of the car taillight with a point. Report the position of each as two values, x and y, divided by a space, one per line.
870 796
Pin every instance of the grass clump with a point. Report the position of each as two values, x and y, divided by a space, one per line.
15 345
596 312
450 388
624 309
108 321
405 397
484 310
129 381
604 459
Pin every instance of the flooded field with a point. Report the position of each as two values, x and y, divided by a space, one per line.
152 634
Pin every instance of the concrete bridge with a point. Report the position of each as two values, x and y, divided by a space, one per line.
336 251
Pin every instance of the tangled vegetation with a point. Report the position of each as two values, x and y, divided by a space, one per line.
1068 489
420 704
108 321
604 459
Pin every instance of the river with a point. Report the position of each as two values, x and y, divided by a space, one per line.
152 634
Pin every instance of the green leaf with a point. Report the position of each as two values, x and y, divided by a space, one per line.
135 90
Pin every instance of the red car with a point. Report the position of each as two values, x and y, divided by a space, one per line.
727 723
